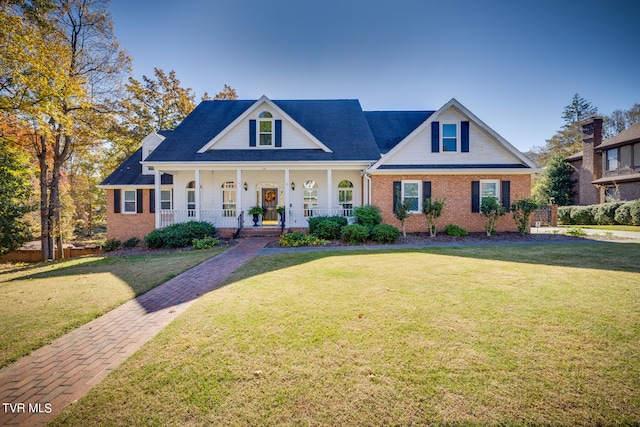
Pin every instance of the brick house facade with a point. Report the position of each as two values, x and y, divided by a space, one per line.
313 158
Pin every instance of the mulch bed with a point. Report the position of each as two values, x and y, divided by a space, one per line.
479 238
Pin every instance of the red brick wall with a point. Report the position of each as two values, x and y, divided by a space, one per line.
456 189
124 226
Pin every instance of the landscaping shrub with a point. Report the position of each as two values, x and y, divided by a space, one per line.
368 216
564 214
635 212
522 211
131 243
623 213
455 230
296 239
491 209
604 214
179 235
327 227
432 208
385 233
581 215
205 243
111 245
355 233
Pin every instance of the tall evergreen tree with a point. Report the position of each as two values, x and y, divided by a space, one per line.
556 183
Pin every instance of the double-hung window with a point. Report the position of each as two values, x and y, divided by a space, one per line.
165 200
129 203
229 199
489 188
310 197
411 195
265 129
612 160
449 137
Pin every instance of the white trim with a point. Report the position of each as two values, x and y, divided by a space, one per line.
167 167
474 172
124 202
419 196
252 111
472 119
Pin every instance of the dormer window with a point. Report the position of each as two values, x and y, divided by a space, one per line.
449 137
265 129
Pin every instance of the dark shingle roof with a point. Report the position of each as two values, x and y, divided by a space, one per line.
339 124
631 134
130 173
391 127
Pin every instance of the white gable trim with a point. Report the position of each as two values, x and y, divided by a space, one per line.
472 118
252 110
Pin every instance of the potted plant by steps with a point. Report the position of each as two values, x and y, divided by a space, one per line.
281 211
256 211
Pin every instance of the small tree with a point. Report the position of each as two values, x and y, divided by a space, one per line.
492 210
432 208
522 210
402 213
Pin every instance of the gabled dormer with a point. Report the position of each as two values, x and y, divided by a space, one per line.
264 126
150 143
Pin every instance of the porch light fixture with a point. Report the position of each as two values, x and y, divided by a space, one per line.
293 186
245 186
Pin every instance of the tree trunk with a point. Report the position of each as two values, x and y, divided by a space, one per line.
45 225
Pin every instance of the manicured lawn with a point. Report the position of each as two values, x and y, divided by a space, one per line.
610 227
540 335
42 302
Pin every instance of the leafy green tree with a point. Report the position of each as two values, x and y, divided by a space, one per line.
568 140
402 213
61 65
556 183
15 191
491 209
432 208
522 210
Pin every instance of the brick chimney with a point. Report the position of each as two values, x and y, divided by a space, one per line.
591 161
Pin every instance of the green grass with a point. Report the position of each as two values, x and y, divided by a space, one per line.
610 227
539 335
42 302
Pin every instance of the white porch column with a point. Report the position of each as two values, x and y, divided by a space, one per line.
198 194
239 190
287 188
330 190
157 181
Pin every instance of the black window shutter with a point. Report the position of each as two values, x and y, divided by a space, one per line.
505 192
475 196
139 207
435 137
252 133
464 137
278 133
116 201
397 194
426 190
152 201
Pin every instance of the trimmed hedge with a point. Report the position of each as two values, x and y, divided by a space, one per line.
179 235
455 230
624 213
385 233
327 227
355 234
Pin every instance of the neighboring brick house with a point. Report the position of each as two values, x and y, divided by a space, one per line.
606 170
313 157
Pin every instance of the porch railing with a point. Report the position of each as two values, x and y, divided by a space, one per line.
300 217
221 218
231 218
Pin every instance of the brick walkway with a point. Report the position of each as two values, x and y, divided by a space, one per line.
39 386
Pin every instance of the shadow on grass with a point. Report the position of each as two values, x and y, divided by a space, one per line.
143 274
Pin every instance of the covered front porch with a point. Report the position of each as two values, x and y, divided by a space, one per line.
288 197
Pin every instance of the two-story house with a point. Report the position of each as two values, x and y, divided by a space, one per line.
606 170
311 158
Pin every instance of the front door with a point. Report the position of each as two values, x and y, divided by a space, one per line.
270 203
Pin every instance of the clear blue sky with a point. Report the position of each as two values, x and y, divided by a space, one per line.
515 64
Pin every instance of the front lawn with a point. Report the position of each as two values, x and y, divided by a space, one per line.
609 227
540 335
42 302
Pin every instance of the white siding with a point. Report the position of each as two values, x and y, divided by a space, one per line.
483 149
237 138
